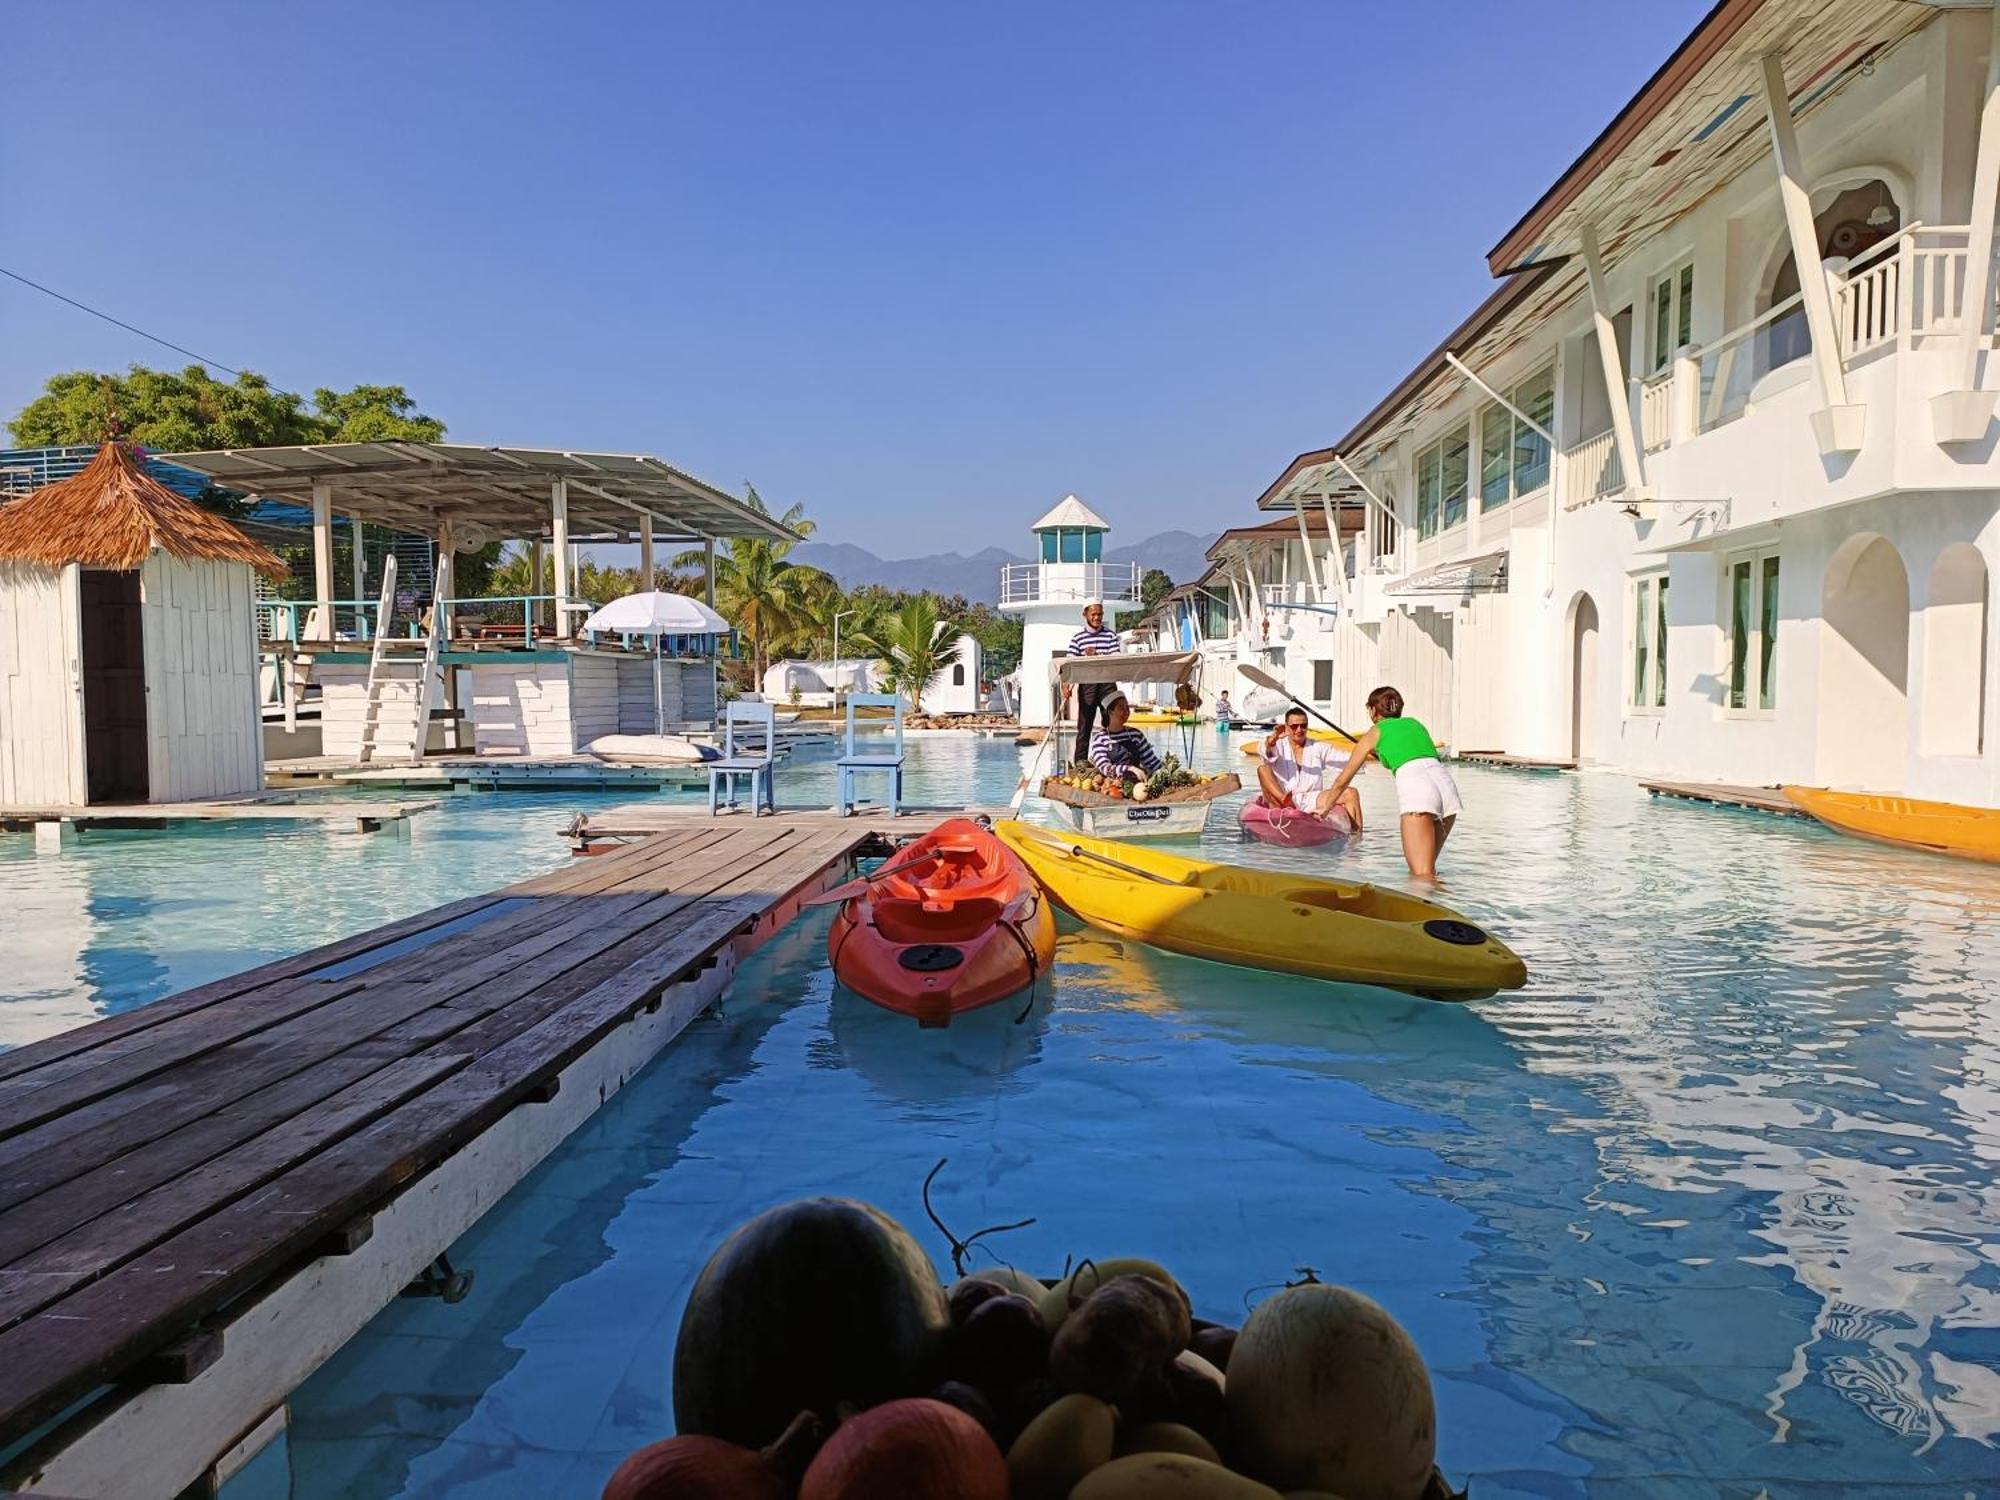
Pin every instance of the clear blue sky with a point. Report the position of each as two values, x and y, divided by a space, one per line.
923 266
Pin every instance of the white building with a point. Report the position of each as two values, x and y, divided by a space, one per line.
1708 488
1049 594
811 684
128 644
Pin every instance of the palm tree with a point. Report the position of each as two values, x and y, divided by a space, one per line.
764 596
912 647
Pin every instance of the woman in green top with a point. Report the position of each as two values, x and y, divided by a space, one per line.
1425 792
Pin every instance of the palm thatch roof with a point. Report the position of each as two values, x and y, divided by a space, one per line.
112 514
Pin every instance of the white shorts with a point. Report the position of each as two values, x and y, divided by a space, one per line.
1425 786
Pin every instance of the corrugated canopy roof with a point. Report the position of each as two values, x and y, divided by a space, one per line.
417 486
112 514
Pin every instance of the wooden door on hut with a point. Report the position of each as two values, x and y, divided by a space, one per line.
114 686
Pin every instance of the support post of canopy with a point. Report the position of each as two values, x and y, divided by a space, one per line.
360 571
442 613
646 584
322 525
536 572
1335 559
1611 359
1837 426
559 545
1306 541
708 571
1961 415
715 641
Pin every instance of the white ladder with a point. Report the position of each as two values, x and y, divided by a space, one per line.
396 718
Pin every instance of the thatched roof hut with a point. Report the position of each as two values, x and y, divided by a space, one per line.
112 515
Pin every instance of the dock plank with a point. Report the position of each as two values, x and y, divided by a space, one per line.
205 1153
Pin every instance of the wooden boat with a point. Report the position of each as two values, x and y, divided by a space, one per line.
1154 718
1936 827
952 922
1291 827
1267 919
1181 813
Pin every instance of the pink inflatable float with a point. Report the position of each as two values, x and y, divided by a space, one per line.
1291 827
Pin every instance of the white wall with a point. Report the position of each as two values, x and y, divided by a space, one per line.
944 695
523 708
205 736
41 708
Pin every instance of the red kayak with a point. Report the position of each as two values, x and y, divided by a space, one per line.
1292 826
952 922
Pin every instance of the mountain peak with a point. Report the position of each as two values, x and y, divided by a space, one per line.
1176 553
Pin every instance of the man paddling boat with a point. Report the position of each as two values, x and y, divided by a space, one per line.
1294 770
1095 639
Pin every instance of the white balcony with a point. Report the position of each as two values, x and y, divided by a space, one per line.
1591 471
1023 584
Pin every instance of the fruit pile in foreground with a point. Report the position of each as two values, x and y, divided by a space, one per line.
821 1358
1171 783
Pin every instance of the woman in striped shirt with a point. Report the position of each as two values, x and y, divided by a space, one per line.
1120 751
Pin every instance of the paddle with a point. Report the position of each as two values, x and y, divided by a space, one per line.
1079 852
1266 680
855 887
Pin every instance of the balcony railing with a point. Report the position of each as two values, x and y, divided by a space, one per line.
1656 410
1591 471
1070 583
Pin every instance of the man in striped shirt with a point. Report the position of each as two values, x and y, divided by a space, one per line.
1093 640
1117 750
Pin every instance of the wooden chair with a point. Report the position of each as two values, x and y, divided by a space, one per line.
750 754
872 760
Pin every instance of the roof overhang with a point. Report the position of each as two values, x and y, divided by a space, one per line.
1486 574
1699 121
1133 666
420 486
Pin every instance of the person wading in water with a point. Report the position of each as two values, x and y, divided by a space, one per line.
1425 793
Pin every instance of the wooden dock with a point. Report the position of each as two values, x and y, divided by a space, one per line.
1765 799
200 1200
55 827
644 820
1513 762
474 773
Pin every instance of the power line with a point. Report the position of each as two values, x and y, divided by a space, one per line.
119 322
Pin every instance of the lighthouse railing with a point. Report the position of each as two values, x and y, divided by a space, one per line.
1070 583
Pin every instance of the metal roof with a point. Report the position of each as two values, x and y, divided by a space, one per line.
1486 574
416 486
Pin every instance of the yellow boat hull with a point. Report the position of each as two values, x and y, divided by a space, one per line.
1267 919
1152 718
1255 745
1936 827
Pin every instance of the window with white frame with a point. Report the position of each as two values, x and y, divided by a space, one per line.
1646 690
1750 606
1513 457
1444 480
1671 305
1322 681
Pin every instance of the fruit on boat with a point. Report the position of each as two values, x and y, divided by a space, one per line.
695 1468
1125 1333
1002 1342
807 1306
910 1447
1168 1476
1167 1437
1326 1391
1072 1437
1070 1293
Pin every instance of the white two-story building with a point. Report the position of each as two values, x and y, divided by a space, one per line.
1708 487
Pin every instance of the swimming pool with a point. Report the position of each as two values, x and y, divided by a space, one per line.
1710 1206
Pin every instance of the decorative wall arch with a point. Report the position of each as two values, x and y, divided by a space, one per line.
1582 636
1955 629
1864 667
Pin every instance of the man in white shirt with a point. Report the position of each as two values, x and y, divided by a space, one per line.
1295 769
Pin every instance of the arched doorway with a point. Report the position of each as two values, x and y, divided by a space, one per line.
1583 679
1864 667
1954 705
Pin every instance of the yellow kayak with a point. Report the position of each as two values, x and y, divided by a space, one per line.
1255 745
1939 827
1154 717
1267 919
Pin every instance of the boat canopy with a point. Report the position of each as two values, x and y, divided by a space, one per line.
1176 667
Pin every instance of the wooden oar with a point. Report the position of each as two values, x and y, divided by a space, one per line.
1266 680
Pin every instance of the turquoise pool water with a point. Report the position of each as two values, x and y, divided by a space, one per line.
1709 1208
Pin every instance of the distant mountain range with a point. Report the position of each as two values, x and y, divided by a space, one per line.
1178 554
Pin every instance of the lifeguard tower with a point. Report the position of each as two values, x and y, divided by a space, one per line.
1049 594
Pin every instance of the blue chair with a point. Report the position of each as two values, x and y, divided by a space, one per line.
874 760
750 754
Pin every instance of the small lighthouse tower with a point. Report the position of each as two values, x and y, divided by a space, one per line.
1049 595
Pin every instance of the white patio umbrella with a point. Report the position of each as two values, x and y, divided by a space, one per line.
658 615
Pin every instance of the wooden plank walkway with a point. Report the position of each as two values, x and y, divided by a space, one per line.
1766 799
363 815
1514 762
170 1164
643 820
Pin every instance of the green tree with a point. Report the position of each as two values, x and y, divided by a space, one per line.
913 648
756 590
1154 586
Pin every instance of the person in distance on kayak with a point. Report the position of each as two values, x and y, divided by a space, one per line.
1426 795
1293 768
1119 750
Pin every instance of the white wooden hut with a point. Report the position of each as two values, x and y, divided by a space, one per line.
128 655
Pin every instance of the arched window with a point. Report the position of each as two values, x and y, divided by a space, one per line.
958 674
1851 223
1955 653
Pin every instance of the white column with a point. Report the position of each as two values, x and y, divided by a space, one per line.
443 586
559 545
1838 426
1612 359
646 554
322 527
1306 541
1961 416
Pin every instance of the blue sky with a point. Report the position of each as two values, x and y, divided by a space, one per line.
922 266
